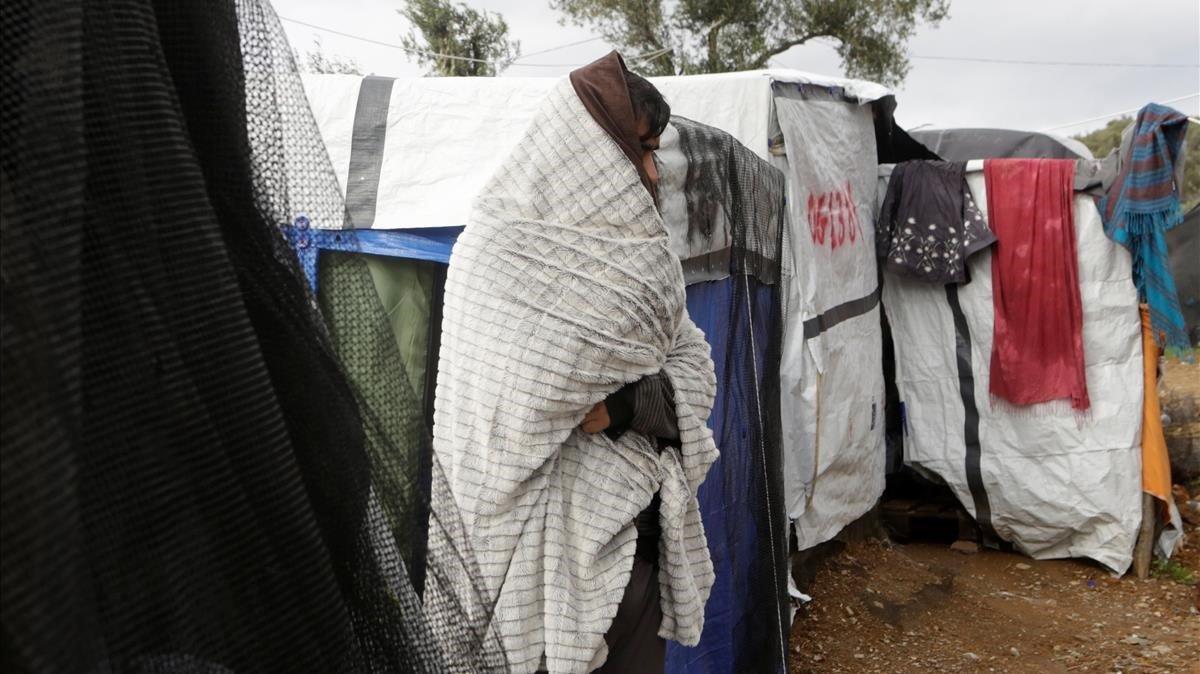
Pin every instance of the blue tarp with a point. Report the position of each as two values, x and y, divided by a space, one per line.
433 244
740 617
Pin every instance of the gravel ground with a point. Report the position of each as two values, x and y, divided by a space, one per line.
881 607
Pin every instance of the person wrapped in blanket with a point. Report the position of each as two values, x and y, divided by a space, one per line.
574 390
645 406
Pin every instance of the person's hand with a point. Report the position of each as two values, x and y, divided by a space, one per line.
596 419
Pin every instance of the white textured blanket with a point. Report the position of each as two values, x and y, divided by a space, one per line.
561 289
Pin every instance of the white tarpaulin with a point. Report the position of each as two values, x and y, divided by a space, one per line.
1055 486
441 138
831 375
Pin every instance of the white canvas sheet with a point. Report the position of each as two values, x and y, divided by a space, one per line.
831 375
446 136
1056 486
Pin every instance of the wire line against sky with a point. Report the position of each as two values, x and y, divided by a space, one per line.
561 46
1029 62
649 56
401 47
1081 64
657 53
1117 114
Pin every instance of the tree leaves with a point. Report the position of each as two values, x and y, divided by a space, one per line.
318 62
457 40
1108 138
726 35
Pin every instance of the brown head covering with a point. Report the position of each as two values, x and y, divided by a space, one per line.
602 87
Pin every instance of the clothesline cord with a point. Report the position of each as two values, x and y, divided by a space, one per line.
1117 114
649 56
1030 62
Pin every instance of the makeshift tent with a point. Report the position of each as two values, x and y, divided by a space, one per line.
412 154
1053 485
1062 509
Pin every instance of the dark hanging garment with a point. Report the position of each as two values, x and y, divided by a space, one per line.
929 224
198 476
633 642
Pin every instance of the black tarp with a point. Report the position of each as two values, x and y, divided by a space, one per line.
968 144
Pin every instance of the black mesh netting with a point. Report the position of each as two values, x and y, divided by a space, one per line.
735 202
197 472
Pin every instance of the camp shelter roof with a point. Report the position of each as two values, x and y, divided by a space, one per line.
435 141
968 144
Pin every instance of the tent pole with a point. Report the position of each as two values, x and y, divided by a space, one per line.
1144 550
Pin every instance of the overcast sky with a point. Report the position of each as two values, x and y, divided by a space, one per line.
937 93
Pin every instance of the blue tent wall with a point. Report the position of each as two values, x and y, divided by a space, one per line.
743 623
742 630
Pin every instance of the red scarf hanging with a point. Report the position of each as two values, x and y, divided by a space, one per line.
1037 344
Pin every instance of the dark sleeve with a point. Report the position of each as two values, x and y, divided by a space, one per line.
646 406
620 410
654 408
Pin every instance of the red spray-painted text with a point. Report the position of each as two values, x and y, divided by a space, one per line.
833 218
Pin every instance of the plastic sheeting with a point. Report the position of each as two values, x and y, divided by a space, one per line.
729 505
440 138
832 373
1055 486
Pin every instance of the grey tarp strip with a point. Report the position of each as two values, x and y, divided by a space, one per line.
842 312
966 388
366 150
721 264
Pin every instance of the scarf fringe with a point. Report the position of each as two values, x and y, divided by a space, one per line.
1138 224
1140 234
1051 409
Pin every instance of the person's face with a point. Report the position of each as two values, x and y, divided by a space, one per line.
649 145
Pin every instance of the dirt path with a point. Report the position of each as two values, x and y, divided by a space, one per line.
880 607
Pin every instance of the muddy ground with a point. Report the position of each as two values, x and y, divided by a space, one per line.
882 607
923 607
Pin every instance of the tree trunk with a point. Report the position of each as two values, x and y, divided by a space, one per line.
714 49
761 61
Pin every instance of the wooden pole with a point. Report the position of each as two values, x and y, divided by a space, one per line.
1144 551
